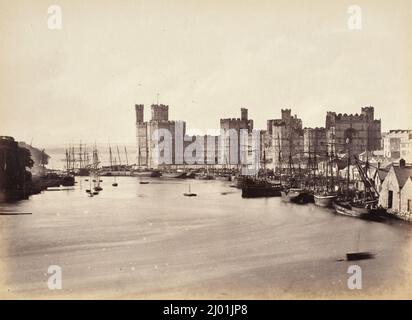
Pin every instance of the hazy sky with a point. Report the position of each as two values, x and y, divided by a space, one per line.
207 59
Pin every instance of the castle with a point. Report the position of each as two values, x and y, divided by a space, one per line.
353 133
285 140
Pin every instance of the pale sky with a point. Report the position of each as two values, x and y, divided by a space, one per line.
206 59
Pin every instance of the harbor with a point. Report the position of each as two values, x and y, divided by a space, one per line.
229 150
153 242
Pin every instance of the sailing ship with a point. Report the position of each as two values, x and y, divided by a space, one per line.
114 184
363 205
255 187
326 195
294 192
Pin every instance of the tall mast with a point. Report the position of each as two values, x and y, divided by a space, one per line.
111 158
118 155
127 159
279 160
80 156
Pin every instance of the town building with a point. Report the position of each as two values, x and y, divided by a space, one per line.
397 144
353 133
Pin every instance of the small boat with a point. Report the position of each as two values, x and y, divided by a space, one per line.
324 199
98 188
190 194
88 191
296 195
358 255
115 184
144 182
353 256
95 193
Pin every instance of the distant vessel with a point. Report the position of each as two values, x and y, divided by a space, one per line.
174 175
147 173
190 194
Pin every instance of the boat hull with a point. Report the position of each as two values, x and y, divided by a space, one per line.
174 175
147 174
296 196
324 201
260 192
364 213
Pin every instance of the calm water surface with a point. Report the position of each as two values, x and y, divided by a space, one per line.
149 241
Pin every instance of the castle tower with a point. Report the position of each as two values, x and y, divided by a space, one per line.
286 114
160 112
368 112
243 114
139 113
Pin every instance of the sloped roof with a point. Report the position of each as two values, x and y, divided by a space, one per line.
383 171
402 174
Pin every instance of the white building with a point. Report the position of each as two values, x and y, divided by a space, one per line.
396 189
397 144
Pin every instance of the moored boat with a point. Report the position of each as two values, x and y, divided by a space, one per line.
260 188
296 195
147 173
367 211
174 175
324 199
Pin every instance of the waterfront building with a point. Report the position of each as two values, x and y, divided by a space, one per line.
398 144
396 189
359 132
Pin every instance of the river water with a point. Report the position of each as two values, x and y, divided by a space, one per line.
149 241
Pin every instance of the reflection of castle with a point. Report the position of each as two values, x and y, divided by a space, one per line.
359 132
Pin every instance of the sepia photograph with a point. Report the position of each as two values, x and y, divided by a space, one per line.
205 150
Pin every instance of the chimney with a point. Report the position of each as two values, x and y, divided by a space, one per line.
402 163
